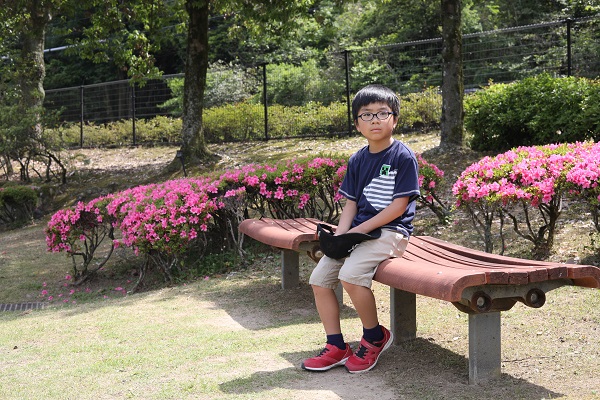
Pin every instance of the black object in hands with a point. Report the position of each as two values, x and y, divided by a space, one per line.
341 246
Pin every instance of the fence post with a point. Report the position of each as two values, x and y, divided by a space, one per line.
133 113
569 58
349 111
264 72
81 116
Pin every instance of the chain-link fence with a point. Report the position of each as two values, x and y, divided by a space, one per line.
311 97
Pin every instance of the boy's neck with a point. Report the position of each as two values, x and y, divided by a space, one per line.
379 146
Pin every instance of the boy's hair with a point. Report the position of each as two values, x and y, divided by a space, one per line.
375 94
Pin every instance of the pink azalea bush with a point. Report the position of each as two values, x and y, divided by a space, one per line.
519 182
297 188
584 177
164 217
164 221
161 221
79 231
430 178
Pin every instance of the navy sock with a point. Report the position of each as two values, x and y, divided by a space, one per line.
373 335
337 340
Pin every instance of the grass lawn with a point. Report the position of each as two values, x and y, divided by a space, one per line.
240 336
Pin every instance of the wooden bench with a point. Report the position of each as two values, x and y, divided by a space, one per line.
478 283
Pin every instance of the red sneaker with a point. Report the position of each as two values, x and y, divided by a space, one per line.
331 356
365 358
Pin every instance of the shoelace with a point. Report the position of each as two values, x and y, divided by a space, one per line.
362 350
325 350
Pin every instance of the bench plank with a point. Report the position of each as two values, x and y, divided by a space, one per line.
282 233
432 280
494 273
500 268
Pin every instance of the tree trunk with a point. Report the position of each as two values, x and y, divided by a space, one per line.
32 67
452 80
193 144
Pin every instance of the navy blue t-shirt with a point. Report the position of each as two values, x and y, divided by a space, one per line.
373 181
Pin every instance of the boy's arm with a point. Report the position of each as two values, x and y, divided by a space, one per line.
348 213
388 214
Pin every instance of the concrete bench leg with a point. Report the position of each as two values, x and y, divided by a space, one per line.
484 347
290 269
339 293
403 315
290 273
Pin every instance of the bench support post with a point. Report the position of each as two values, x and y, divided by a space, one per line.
484 347
403 315
339 293
290 273
290 269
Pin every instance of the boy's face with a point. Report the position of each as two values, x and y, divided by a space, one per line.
378 132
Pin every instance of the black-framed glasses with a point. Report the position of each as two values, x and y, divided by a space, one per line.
381 115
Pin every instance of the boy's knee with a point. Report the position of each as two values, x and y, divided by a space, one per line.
349 286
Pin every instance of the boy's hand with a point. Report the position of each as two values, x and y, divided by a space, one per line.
388 214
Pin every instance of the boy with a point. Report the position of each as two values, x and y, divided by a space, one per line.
380 187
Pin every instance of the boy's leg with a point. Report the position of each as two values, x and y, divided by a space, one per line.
328 309
357 276
323 280
363 301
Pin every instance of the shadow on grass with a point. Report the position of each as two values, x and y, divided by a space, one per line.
418 369
263 304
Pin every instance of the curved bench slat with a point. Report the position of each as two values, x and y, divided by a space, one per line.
285 234
428 279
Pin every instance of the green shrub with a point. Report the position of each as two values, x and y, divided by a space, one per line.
295 85
159 129
421 110
245 120
309 119
16 205
241 121
535 111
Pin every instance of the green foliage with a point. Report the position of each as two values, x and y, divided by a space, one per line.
159 129
175 104
308 119
241 121
17 204
225 84
229 83
217 263
535 111
294 85
245 121
421 110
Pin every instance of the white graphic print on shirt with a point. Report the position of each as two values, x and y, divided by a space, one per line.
379 192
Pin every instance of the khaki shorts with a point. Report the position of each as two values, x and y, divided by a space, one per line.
360 266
